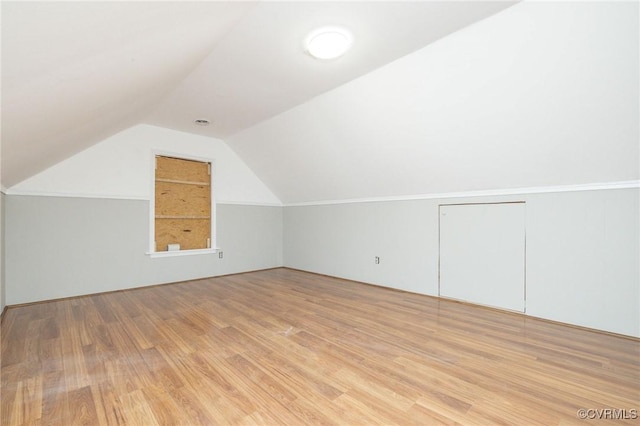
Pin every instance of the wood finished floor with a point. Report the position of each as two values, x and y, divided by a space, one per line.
288 347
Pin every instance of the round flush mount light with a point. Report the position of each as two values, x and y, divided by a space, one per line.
201 122
328 42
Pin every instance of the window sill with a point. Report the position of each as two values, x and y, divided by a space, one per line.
156 254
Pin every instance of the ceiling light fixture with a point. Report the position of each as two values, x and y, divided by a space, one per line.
328 42
202 122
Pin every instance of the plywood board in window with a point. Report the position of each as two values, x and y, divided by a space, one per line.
189 233
174 199
180 169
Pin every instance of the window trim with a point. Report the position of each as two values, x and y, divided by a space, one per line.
191 252
152 206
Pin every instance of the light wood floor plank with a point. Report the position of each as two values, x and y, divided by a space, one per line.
292 348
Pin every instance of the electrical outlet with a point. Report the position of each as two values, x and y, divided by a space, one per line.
220 255
377 260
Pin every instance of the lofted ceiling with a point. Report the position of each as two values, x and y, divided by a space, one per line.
539 96
74 73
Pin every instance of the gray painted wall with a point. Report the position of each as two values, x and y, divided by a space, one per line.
3 296
60 247
583 250
582 268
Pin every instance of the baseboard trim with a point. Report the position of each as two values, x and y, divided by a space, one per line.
3 314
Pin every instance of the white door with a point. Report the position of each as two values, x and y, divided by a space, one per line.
482 254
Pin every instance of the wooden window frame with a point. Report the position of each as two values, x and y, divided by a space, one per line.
152 206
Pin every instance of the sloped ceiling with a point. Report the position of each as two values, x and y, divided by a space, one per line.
74 73
261 69
543 94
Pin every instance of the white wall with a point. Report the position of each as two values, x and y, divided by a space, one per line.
120 167
582 250
542 93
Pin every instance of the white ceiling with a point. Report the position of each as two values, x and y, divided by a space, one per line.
74 73
540 95
261 69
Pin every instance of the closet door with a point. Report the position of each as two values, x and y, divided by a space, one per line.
482 254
